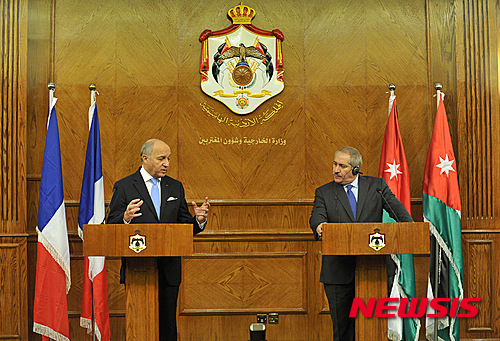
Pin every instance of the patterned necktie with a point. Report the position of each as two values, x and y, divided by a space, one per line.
155 196
352 200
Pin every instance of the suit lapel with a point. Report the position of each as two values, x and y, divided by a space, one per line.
342 196
362 193
140 186
165 192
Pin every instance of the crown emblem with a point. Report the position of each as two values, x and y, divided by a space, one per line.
241 14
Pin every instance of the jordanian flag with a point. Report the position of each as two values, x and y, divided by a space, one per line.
401 274
442 209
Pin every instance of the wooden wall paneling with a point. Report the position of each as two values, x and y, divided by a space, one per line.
477 51
13 187
482 258
330 81
477 102
443 64
146 80
293 325
495 76
244 283
136 78
40 53
478 120
13 118
277 171
329 128
239 215
479 282
31 273
13 284
356 79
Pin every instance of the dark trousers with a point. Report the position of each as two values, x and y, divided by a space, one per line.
167 299
340 297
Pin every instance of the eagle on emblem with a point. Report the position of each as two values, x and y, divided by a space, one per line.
242 52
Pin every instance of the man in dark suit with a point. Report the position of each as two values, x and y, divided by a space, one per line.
150 196
348 198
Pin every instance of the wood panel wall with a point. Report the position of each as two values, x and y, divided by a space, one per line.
257 255
478 123
13 217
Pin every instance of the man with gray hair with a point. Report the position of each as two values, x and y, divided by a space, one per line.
348 198
150 196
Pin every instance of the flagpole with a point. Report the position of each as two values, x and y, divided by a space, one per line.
438 88
392 87
392 98
437 252
52 88
92 88
93 93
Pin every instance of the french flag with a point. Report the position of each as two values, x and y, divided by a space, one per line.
53 280
92 212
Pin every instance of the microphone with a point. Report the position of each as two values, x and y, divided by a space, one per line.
387 203
107 209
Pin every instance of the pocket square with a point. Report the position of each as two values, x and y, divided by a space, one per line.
171 199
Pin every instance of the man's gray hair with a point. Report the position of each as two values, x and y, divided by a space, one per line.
355 156
147 147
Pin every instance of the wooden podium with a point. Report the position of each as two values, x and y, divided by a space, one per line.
141 287
371 274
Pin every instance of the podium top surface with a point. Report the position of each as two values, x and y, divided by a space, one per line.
138 240
376 238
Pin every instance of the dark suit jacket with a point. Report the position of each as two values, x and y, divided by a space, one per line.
171 211
332 206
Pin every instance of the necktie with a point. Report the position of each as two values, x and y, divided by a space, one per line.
155 196
352 200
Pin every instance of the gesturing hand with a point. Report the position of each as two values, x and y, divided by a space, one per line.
201 212
132 210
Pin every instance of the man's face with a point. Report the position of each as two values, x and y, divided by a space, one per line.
342 170
159 161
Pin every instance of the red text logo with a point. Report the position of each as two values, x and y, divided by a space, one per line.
417 307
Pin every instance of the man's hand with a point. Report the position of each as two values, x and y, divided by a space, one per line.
132 210
201 212
319 230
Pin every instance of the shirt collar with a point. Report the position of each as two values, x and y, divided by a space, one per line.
354 183
146 176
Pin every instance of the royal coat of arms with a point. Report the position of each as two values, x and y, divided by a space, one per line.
377 240
242 65
137 242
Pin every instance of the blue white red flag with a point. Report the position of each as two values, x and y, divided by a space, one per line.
53 280
92 212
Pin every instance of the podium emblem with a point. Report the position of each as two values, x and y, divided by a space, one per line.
137 242
377 240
